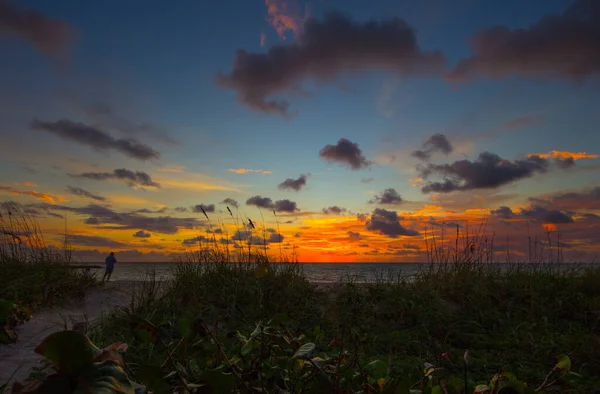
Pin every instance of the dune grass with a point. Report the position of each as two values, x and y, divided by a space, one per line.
515 317
34 273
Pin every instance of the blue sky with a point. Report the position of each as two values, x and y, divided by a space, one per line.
154 67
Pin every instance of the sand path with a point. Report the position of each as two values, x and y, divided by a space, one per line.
20 356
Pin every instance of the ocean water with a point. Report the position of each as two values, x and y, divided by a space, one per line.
315 272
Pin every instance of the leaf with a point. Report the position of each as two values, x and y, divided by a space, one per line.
381 383
218 380
185 327
153 377
304 350
104 378
436 389
564 363
278 320
69 351
377 369
481 389
143 330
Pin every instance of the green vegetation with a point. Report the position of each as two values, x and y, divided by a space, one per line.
33 273
237 321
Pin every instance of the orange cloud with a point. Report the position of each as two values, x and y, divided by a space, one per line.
555 154
247 170
32 193
285 15
175 169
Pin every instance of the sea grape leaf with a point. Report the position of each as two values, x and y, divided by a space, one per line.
69 350
106 377
377 369
304 350
564 363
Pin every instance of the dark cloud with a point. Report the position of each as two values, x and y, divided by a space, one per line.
146 210
335 210
132 178
95 138
278 206
230 201
565 46
411 246
535 212
367 180
241 235
275 238
387 197
354 235
584 199
325 50
196 240
207 208
48 35
503 212
345 152
215 231
293 184
180 209
564 162
142 234
388 223
259 201
489 171
104 114
285 206
91 240
435 143
78 191
361 217
111 220
544 215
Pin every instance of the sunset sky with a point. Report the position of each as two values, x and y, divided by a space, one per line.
367 126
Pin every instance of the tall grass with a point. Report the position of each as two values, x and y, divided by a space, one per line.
34 272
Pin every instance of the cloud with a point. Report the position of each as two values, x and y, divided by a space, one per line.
345 152
435 143
278 206
247 170
564 46
489 171
50 36
108 219
555 154
133 179
78 191
535 212
198 239
293 184
105 115
354 235
92 240
241 235
587 199
334 210
275 238
142 234
207 208
263 39
387 197
323 51
180 209
95 138
230 201
285 15
544 215
32 193
388 223
367 180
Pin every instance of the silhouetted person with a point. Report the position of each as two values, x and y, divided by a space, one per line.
110 266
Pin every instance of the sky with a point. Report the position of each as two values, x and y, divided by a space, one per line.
345 130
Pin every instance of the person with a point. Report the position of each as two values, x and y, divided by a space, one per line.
110 266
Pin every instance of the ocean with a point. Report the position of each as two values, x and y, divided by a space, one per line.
315 272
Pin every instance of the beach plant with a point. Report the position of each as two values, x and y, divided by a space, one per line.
269 359
11 315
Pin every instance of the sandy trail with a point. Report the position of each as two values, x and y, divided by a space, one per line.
21 357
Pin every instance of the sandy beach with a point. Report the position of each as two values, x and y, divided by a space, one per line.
19 358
